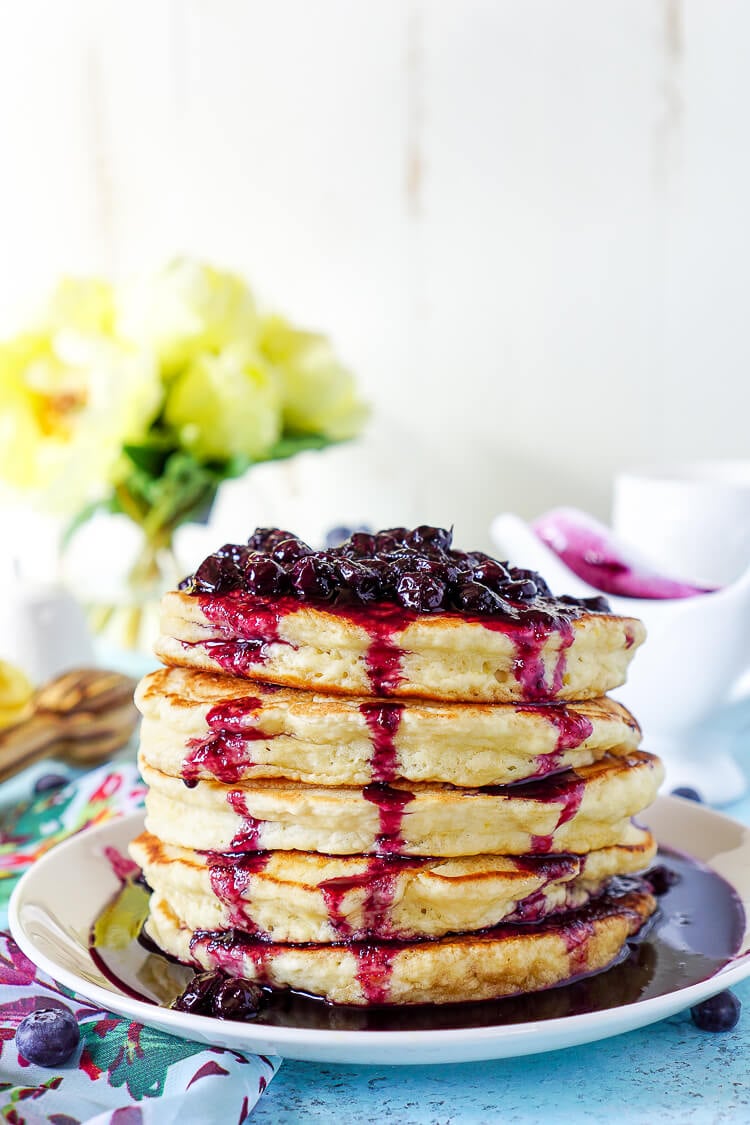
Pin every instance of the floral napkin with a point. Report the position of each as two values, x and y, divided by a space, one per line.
123 1073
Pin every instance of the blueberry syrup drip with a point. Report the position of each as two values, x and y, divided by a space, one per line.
566 788
529 641
383 721
530 909
383 657
572 731
226 752
235 657
567 636
390 805
576 936
230 878
250 625
230 950
550 867
379 881
225 756
374 969
237 716
247 838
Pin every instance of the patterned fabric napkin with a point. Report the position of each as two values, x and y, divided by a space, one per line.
122 1073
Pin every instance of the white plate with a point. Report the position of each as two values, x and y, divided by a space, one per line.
55 903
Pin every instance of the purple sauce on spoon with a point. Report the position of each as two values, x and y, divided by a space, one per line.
589 550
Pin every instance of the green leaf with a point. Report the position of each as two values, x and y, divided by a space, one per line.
290 444
135 1057
151 456
185 489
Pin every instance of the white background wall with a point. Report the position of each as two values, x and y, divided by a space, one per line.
525 224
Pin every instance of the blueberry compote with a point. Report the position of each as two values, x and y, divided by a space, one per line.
381 581
415 569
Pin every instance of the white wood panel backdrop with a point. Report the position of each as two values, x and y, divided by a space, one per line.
525 224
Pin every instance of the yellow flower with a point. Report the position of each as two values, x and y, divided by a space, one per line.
68 401
318 392
226 405
83 305
185 310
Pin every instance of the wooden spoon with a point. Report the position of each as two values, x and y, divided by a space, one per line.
82 716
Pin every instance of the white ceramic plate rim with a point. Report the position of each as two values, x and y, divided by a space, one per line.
390 1047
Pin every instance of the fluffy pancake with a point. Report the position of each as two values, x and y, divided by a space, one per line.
499 962
307 897
578 811
201 725
388 651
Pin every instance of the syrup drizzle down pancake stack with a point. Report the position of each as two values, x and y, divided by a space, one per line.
389 773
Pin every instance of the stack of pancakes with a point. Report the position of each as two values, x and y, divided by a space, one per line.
385 807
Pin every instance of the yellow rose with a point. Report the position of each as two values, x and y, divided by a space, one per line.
318 392
68 401
186 309
225 405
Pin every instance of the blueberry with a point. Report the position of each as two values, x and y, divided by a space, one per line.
236 999
288 551
687 793
237 552
266 538
520 590
519 574
392 539
719 1013
313 577
362 543
198 995
48 1036
661 878
490 573
598 604
475 598
338 535
420 591
48 782
362 580
217 575
428 538
263 576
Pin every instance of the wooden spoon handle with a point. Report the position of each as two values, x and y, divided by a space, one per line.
26 743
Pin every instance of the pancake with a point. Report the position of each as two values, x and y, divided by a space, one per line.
200 725
385 650
577 811
307 897
498 962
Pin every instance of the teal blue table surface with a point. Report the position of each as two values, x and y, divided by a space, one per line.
665 1074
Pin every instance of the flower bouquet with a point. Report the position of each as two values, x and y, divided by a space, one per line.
141 398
